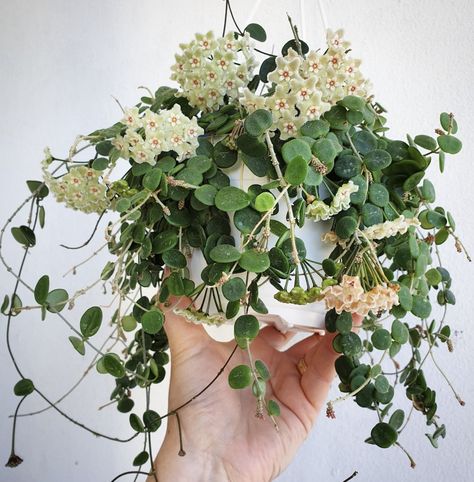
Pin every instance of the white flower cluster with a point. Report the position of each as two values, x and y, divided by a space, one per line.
198 317
318 210
350 296
305 88
390 228
209 68
169 130
79 189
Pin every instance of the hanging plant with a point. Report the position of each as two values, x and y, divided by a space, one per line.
305 128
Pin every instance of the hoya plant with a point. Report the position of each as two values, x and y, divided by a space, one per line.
306 127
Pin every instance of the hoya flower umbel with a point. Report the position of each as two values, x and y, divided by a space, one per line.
150 134
81 189
209 68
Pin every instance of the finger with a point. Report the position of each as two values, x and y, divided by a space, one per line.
317 378
274 337
182 334
299 349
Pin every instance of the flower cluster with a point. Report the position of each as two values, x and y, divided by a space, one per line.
399 225
79 189
198 317
150 134
350 296
209 68
305 88
318 210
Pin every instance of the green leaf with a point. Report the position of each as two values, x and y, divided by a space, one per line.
296 148
371 214
240 377
448 122
164 241
296 171
224 253
136 423
129 323
174 258
347 166
24 235
254 261
449 144
206 194
397 419
151 420
152 179
353 102
344 322
246 327
246 219
377 159
256 31
427 142
273 409
234 289
433 276
345 227
364 142
38 187
405 298
56 300
378 194
141 458
384 435
113 365
152 321
264 202
413 181
324 150
315 128
399 332
258 122
252 146
329 266
23 388
78 344
351 344
381 384
231 198
91 321
381 339
421 307
262 370
42 290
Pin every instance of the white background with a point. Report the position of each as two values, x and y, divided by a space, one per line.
60 62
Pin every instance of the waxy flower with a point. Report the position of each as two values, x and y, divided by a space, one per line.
399 225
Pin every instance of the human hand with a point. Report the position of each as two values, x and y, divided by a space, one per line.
221 436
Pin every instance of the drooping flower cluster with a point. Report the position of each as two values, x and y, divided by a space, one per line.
350 296
209 68
198 317
307 87
81 189
150 134
390 228
318 210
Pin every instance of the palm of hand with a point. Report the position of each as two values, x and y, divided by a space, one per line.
219 427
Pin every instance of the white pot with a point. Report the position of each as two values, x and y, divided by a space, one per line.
284 316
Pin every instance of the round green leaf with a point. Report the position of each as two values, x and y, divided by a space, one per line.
174 258
78 344
141 459
296 148
264 202
151 420
152 321
91 321
371 214
296 171
449 144
378 194
254 261
344 322
324 150
384 435
382 384
224 253
113 365
56 300
364 142
345 227
206 194
231 198
273 408
377 159
352 102
262 370
23 388
246 327
151 180
347 166
427 142
234 289
421 307
315 128
246 219
258 122
240 377
397 419
351 344
256 31
381 339
42 290
400 332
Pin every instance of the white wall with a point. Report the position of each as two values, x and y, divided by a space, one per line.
61 61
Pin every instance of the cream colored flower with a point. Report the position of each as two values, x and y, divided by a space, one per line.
318 210
210 68
198 317
387 229
342 198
